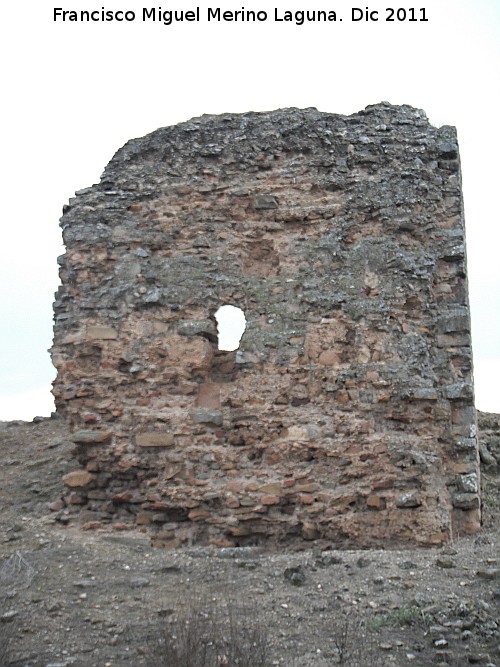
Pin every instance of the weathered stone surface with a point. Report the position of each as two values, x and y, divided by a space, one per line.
265 202
91 437
468 483
376 502
196 328
154 439
206 416
348 406
489 439
457 391
101 333
466 501
465 444
408 500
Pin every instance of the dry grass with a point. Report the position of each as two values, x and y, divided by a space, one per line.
355 644
5 633
16 573
213 635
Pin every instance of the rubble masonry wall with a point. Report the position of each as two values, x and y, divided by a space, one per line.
347 413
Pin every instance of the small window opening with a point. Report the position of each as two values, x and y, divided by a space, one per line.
231 324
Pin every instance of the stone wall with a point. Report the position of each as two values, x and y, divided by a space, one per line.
489 440
347 413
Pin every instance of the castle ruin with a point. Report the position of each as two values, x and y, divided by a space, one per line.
347 412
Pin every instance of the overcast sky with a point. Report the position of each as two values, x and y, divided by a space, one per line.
74 92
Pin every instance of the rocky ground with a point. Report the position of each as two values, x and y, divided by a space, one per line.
107 599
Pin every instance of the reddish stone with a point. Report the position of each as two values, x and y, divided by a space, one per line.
376 503
222 542
91 525
234 486
272 488
198 514
122 526
166 544
90 419
159 507
329 358
270 499
383 484
308 488
310 531
123 497
91 437
253 486
76 499
342 396
57 505
240 531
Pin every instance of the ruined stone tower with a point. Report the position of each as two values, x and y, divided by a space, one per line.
347 412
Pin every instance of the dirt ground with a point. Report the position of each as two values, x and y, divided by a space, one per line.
106 599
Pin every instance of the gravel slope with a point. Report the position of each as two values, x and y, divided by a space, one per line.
106 599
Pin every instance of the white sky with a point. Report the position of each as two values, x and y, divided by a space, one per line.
231 324
73 93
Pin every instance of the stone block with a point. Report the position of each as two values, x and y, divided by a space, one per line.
198 514
76 499
155 439
458 391
206 416
270 499
310 531
209 396
468 483
91 437
329 358
457 321
466 444
143 518
422 394
376 502
311 487
265 202
100 332
191 328
466 501
408 500
271 488
464 467
78 479
454 340
240 531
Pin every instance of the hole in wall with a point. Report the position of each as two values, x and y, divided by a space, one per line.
231 324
